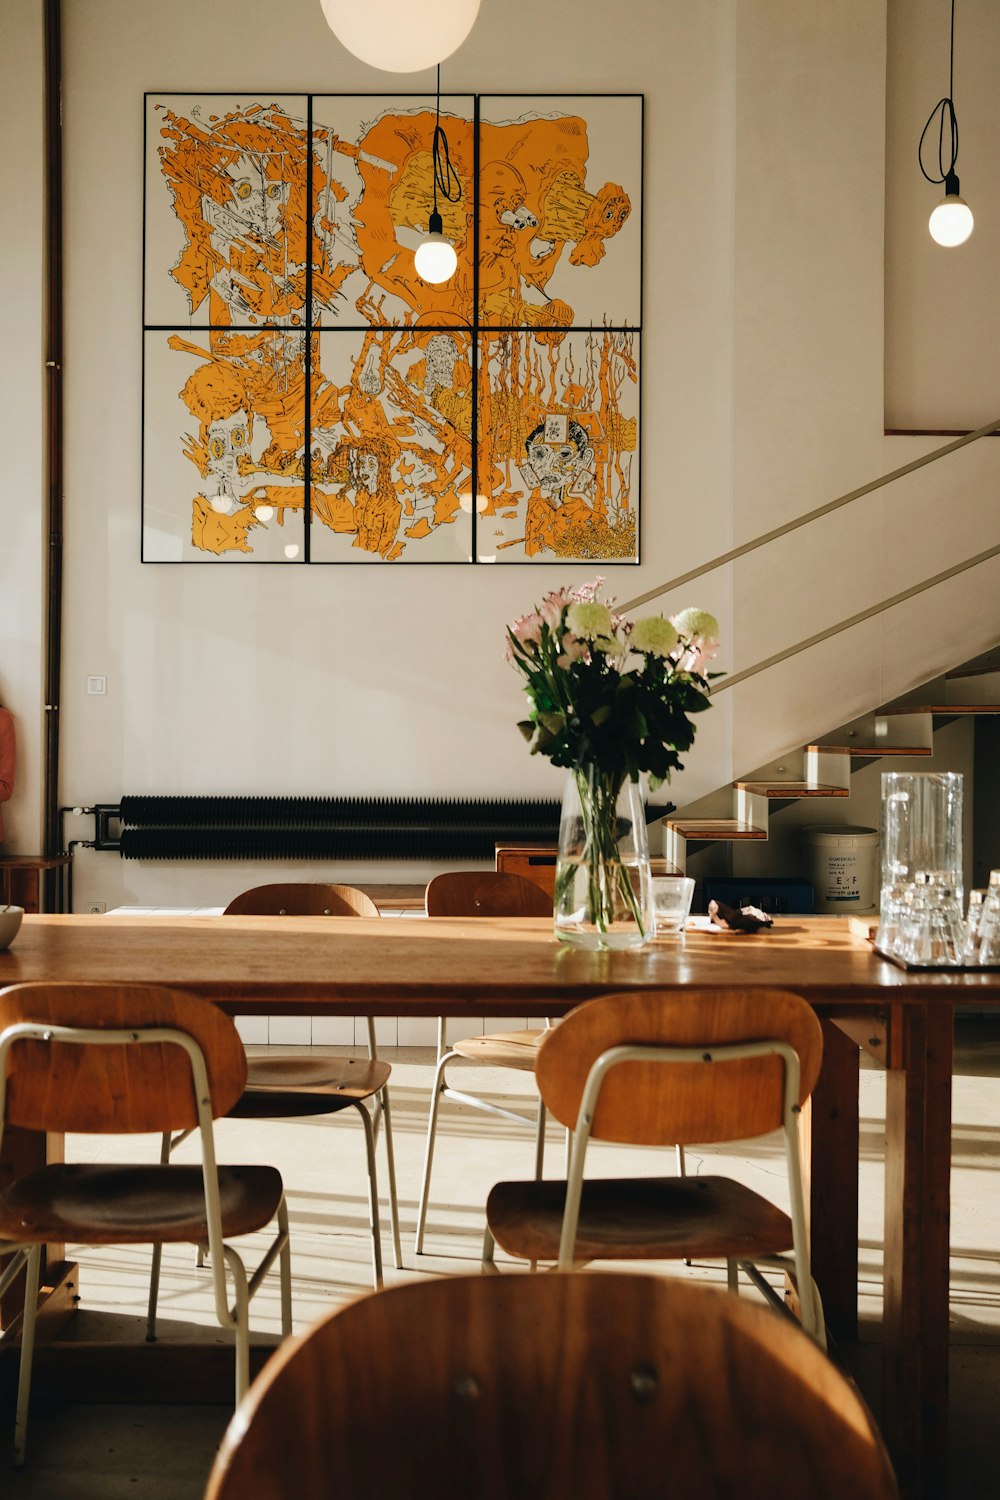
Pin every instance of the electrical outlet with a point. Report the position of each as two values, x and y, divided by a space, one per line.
96 908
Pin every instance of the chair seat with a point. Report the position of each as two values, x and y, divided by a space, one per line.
102 1204
504 1049
290 1086
640 1218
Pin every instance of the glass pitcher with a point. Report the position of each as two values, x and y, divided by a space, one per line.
921 847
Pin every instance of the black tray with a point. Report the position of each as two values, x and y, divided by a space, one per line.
902 963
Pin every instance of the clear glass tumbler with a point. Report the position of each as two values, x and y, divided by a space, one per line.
671 904
989 923
930 931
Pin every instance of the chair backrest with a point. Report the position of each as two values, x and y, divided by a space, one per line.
103 1088
302 899
572 1386
680 1103
485 893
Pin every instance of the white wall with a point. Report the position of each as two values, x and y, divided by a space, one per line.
942 366
762 373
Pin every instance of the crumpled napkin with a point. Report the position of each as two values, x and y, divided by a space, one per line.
739 918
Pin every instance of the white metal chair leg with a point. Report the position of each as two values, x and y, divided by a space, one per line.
376 1228
540 1141
390 1155
682 1172
31 1279
285 1271
425 1181
489 1246
240 1317
381 1107
154 1293
166 1146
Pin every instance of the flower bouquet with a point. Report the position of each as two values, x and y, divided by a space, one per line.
610 698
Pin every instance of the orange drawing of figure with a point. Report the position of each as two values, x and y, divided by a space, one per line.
235 499
535 203
558 464
366 502
239 184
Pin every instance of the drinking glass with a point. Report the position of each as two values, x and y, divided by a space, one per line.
973 926
671 903
989 923
929 928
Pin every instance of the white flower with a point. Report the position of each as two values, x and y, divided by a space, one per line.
696 624
589 620
653 635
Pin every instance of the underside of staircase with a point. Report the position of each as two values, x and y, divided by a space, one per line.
822 770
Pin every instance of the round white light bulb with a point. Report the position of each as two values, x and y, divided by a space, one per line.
400 36
951 222
435 259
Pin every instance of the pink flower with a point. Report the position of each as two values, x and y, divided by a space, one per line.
587 592
697 658
528 629
552 606
701 632
573 649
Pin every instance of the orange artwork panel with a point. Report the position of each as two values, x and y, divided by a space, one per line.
308 397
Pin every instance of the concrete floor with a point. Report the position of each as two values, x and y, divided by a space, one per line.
165 1452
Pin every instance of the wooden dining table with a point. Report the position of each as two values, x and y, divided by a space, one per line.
515 967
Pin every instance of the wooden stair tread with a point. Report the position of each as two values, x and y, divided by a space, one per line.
714 828
791 789
871 751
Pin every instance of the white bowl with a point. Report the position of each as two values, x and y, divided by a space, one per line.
10 921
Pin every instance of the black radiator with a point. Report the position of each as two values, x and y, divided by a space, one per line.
430 828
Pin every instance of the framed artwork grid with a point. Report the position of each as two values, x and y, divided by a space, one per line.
308 398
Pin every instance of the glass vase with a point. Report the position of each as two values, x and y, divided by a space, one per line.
603 891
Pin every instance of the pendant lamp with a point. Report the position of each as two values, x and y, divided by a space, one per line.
951 221
401 36
435 259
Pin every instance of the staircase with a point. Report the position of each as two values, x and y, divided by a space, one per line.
823 770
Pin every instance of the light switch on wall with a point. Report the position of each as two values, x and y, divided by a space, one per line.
98 685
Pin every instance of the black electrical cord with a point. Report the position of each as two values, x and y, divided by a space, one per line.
446 179
948 121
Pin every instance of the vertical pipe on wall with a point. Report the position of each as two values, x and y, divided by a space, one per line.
54 416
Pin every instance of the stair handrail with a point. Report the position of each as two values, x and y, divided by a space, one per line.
734 678
787 527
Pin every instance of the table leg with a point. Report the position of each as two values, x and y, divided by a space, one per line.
831 1152
917 1226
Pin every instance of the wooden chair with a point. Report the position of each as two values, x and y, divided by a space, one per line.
571 1387
113 1059
473 893
654 1067
298 1087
